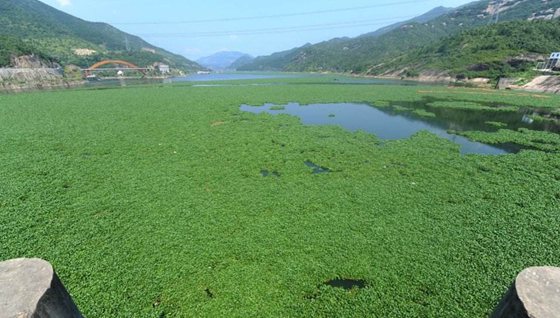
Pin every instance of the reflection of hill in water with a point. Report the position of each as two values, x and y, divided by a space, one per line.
472 119
385 123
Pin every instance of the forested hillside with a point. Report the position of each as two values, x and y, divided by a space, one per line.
11 46
491 51
365 54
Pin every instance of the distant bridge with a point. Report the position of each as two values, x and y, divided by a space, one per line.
126 66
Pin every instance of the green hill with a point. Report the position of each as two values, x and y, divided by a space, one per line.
491 51
58 36
340 54
430 15
364 53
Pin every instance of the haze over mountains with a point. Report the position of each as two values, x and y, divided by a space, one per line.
30 26
223 60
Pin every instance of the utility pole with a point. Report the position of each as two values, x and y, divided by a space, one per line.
126 43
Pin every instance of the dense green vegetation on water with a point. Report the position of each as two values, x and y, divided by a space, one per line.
151 202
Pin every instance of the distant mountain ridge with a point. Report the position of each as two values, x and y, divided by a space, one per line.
367 54
241 61
336 54
222 60
70 40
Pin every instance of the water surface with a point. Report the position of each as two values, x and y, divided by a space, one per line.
232 76
346 283
381 122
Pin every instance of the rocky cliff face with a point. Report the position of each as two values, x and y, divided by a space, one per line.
30 72
551 11
31 61
26 78
498 6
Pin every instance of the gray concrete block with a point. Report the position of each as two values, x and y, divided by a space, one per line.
31 288
534 294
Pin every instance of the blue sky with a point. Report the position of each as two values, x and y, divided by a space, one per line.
200 28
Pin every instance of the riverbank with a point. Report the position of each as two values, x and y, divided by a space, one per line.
542 84
441 78
24 79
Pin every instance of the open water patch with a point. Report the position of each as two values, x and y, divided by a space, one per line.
346 283
316 168
384 122
266 173
233 76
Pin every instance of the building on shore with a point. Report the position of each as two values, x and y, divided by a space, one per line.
161 68
552 64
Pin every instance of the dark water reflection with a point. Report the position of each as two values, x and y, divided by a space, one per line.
390 123
346 283
316 168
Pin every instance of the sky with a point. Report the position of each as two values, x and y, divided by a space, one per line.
196 29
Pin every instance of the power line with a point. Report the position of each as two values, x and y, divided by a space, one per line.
269 16
326 26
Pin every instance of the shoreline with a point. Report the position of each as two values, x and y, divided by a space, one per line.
15 80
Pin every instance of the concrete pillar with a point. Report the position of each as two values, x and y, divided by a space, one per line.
29 288
534 294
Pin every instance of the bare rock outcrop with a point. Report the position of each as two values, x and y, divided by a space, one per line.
544 83
29 72
31 61
14 79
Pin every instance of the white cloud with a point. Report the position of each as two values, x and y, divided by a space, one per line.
64 3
